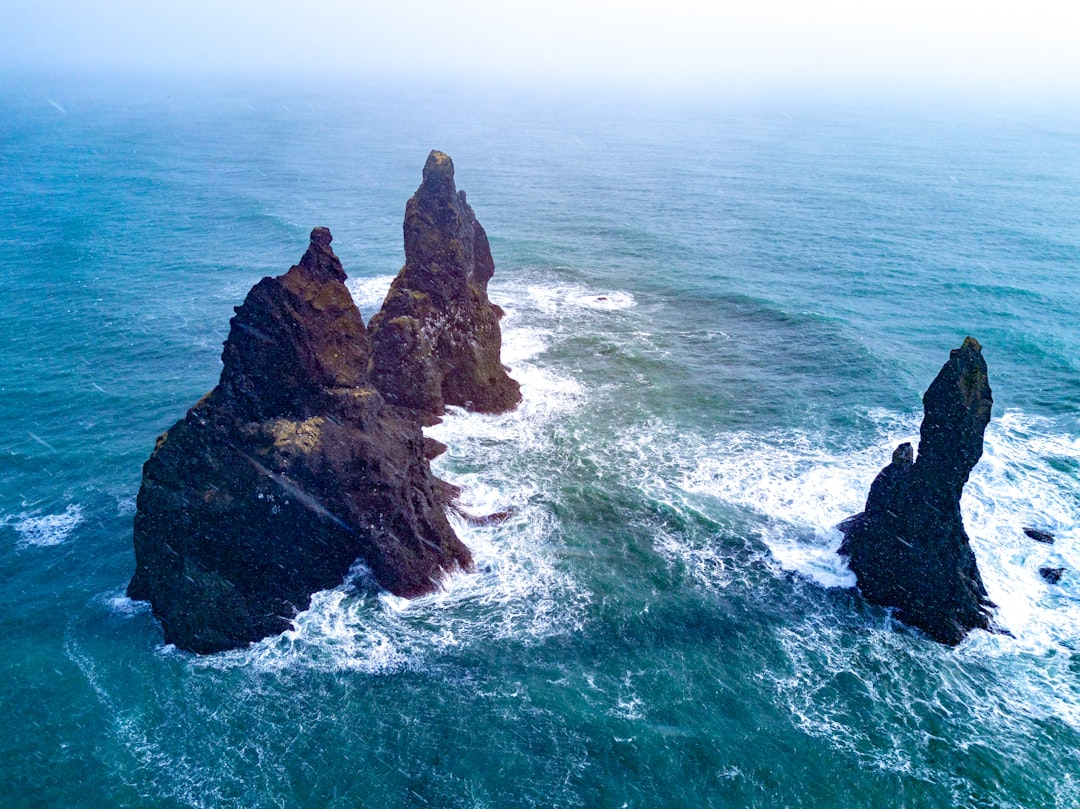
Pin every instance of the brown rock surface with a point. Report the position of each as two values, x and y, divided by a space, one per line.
436 341
291 469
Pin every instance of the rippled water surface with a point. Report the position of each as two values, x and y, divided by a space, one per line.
723 316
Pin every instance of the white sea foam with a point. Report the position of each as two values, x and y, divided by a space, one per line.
546 299
545 396
628 704
797 486
791 487
800 487
629 707
44 530
1028 478
341 629
369 293
521 343
555 299
517 591
835 685
886 698
120 604
793 484
711 566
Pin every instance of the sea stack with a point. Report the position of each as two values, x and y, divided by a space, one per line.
908 548
290 470
436 341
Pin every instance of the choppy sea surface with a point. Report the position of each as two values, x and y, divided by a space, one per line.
723 315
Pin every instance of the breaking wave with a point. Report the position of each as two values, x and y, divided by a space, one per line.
44 530
520 591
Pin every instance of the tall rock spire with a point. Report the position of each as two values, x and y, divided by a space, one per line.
295 335
909 549
436 341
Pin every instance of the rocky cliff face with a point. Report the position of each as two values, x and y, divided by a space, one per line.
436 341
908 548
287 472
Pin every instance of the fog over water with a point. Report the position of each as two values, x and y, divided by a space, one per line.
989 47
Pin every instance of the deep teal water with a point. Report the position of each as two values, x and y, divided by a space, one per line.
723 314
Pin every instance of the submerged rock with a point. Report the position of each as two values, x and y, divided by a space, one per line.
1039 536
908 548
1052 574
291 469
436 341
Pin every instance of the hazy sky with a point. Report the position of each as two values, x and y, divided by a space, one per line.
1015 46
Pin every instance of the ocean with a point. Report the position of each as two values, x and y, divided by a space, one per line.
723 313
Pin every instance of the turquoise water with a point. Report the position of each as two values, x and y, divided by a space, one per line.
723 315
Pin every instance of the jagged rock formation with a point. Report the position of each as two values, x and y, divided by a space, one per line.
908 548
292 468
436 340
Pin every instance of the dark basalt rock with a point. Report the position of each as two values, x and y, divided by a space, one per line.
436 340
1039 536
909 549
1052 574
291 469
495 518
